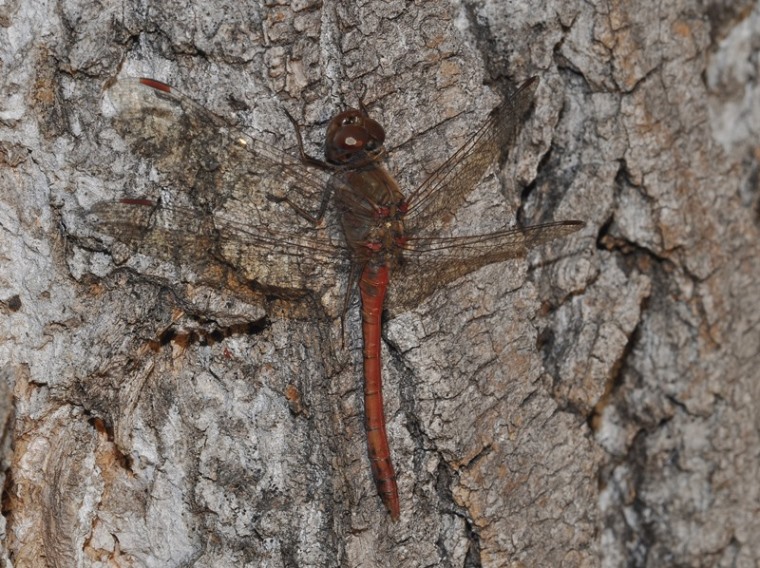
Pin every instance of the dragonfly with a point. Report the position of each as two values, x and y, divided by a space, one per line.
236 210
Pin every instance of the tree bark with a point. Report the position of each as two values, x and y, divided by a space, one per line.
593 405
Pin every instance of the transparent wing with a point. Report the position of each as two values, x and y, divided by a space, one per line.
215 246
201 154
432 262
218 210
441 194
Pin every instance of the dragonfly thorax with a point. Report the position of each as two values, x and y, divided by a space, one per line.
371 209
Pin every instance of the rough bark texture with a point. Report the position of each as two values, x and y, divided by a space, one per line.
595 405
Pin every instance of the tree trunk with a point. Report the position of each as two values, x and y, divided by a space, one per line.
592 405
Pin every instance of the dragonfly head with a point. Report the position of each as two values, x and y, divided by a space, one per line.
353 135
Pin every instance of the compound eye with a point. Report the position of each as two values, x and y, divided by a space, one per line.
375 132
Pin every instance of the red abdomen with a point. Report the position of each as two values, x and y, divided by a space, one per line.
373 285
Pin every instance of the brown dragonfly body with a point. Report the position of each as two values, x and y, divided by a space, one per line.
234 212
371 210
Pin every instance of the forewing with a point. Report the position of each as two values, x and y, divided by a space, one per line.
205 158
219 206
441 194
431 263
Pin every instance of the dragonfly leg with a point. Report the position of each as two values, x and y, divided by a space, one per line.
305 158
360 99
313 219
312 161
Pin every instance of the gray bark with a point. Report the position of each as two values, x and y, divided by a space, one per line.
593 405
